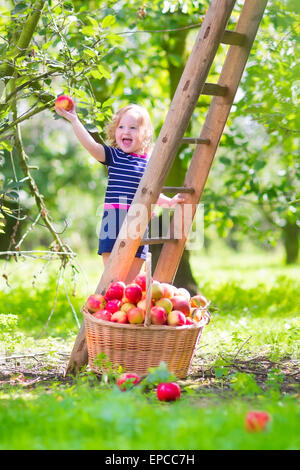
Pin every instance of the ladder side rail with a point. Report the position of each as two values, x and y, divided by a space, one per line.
212 129
166 147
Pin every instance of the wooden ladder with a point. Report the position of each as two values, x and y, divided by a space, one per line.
191 85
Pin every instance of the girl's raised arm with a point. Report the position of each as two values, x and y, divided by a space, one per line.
93 147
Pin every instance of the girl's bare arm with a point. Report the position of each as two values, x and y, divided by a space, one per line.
86 140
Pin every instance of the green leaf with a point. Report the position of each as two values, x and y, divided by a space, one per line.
108 21
104 71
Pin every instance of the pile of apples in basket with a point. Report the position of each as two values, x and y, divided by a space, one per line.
127 304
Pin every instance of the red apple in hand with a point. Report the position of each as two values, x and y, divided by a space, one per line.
256 421
133 293
103 315
169 391
127 380
158 315
95 302
136 315
64 102
115 290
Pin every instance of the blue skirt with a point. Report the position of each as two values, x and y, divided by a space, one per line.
110 227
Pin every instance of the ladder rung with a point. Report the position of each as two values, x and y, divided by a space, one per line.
195 140
177 189
156 241
233 38
214 89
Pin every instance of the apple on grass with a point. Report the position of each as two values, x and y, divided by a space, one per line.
181 303
158 315
176 318
168 391
128 380
256 421
64 102
119 317
133 293
103 315
115 290
136 315
95 302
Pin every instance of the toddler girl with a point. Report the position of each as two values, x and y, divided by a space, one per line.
130 136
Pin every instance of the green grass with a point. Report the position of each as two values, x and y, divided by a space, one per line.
256 315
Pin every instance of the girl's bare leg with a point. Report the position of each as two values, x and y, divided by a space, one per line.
134 270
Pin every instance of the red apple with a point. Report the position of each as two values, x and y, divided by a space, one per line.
169 391
158 315
113 305
115 290
140 280
95 302
189 321
165 303
176 318
103 315
119 317
168 290
136 315
127 306
256 421
181 303
184 292
198 301
157 291
133 293
64 102
142 304
127 380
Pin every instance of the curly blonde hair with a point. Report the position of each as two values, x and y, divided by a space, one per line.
146 128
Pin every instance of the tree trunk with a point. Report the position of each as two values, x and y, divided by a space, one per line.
291 242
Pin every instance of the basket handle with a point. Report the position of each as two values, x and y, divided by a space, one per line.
147 321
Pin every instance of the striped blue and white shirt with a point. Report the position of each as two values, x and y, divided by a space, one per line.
125 171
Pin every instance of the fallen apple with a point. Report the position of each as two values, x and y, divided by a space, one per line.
176 318
115 290
64 102
256 421
103 315
168 391
128 380
136 315
95 302
158 315
133 293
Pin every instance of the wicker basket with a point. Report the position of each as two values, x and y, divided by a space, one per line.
138 347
